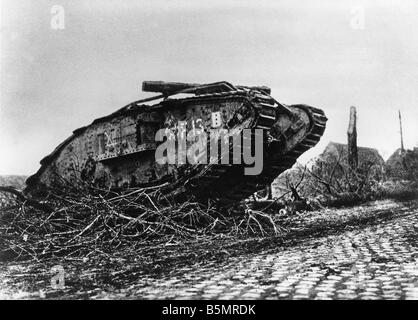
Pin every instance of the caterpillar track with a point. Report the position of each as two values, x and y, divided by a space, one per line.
278 161
119 150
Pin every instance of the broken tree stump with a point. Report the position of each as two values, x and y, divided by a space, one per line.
352 141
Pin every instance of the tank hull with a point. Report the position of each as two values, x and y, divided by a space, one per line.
119 150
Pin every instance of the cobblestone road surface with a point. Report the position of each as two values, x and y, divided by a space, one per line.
374 262
377 261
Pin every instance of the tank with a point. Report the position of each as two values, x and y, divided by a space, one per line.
119 151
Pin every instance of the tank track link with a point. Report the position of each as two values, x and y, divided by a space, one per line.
228 185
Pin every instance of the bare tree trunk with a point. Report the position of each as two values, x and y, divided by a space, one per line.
352 149
352 140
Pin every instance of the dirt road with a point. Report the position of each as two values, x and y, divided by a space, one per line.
365 252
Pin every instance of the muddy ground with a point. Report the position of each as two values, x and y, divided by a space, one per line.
364 252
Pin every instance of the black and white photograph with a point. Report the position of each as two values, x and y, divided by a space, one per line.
228 152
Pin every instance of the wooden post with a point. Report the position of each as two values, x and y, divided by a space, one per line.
352 140
400 125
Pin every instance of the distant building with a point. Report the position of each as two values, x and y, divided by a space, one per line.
369 159
366 156
403 164
333 161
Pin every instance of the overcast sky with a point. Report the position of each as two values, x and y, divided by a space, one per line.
314 52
